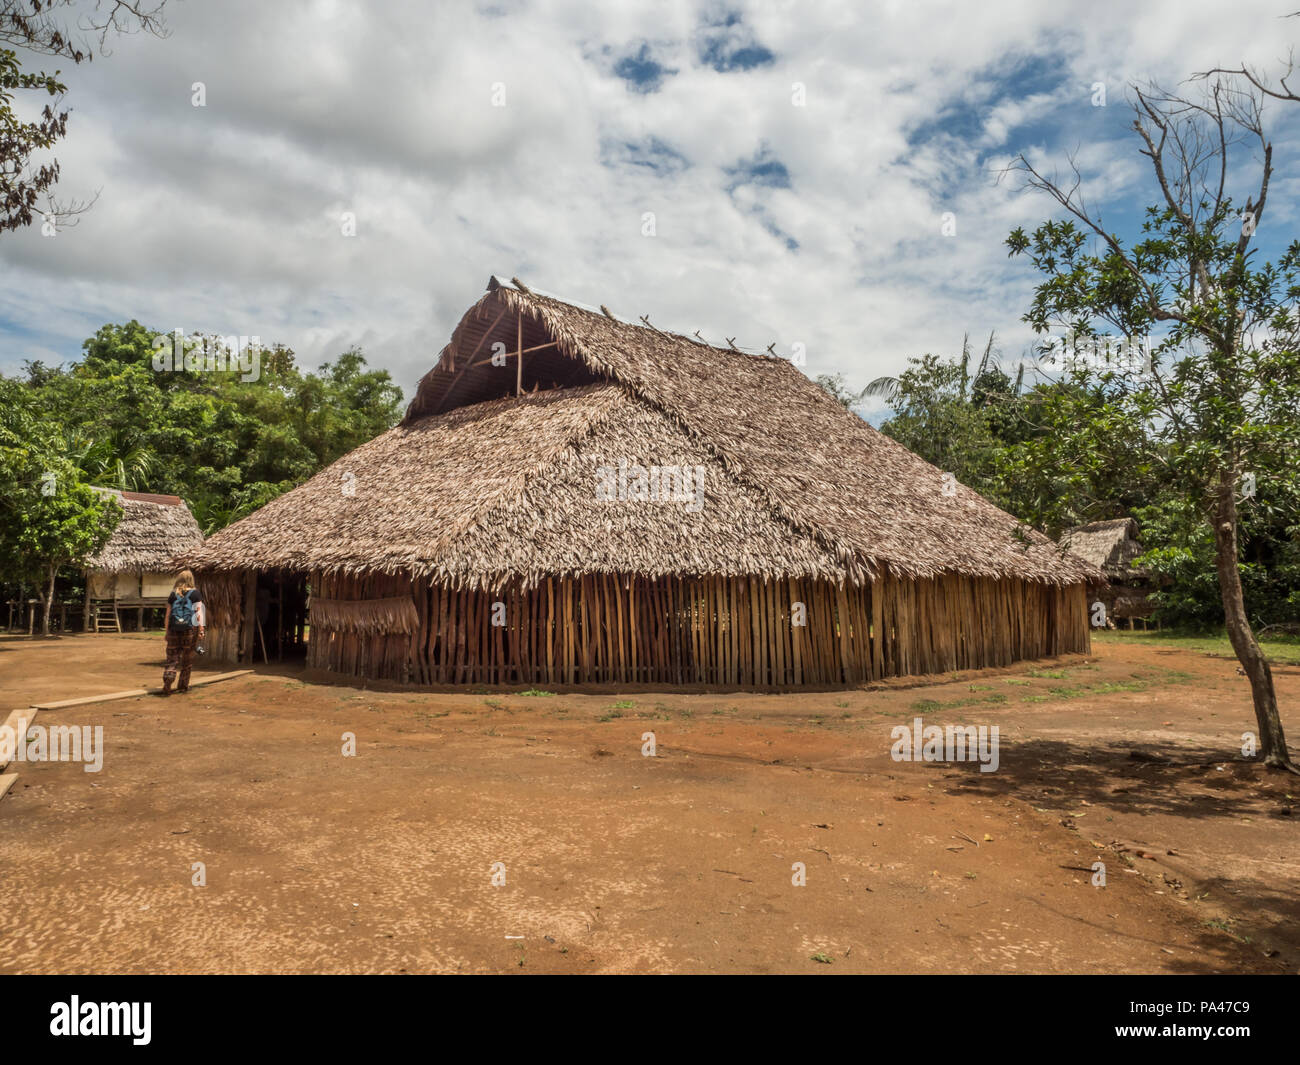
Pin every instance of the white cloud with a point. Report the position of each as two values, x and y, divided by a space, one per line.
227 218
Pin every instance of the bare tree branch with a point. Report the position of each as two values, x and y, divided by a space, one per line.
43 26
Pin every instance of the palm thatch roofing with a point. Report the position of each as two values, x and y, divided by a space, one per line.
153 530
480 484
1110 545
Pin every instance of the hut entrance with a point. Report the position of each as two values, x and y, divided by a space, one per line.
280 630
256 616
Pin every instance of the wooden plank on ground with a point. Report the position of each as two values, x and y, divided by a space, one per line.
197 682
131 693
15 716
61 703
6 782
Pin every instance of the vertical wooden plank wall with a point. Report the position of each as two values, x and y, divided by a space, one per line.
223 596
727 632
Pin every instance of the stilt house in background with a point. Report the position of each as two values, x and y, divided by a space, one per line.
136 567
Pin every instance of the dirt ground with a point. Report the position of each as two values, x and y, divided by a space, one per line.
681 862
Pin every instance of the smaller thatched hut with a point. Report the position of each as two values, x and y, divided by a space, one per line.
137 565
1112 546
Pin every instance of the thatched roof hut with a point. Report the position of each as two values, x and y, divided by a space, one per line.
1112 546
153 530
136 567
553 448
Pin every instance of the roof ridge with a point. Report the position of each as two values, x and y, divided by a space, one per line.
604 312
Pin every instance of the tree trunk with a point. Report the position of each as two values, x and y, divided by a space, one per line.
49 601
1272 742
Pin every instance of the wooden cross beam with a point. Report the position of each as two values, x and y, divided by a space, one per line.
512 354
477 346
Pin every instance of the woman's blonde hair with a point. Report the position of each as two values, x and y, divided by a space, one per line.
184 582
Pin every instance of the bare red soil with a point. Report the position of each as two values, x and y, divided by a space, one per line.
616 862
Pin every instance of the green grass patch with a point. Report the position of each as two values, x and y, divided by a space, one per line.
932 706
1277 648
1118 686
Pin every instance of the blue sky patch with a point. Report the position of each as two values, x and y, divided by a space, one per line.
651 153
727 45
641 71
764 169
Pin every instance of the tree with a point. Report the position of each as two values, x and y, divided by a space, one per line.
224 444
934 416
887 388
51 519
43 27
1216 401
835 386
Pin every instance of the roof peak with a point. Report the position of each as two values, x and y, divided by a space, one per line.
141 497
515 287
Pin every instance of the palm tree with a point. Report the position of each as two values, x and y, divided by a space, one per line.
887 388
100 463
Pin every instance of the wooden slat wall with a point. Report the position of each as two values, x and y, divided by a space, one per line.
715 631
386 656
223 595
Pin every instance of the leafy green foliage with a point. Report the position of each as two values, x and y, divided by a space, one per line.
1060 454
224 444
49 517
68 30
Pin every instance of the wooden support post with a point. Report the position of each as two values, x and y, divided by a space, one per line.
249 619
519 347
279 617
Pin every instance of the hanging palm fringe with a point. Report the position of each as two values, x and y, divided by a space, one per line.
365 616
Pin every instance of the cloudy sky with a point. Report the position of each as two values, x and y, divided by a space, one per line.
797 160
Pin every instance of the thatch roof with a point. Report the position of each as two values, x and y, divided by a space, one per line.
478 484
153 530
1111 546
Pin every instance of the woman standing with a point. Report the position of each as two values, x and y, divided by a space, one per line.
183 629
